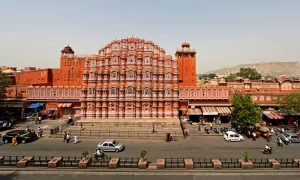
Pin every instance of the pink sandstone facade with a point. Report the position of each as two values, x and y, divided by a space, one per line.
130 78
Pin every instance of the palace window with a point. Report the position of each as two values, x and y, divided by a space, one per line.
168 76
131 59
192 93
54 93
146 91
147 60
261 98
130 75
48 93
268 98
129 90
66 93
203 93
147 75
254 98
115 60
113 91
72 93
91 91
43 93
168 91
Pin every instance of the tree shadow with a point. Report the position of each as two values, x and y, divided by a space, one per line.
9 176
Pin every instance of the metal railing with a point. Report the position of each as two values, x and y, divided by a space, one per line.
287 163
174 163
108 133
69 162
202 163
10 160
128 162
40 161
261 163
230 163
99 163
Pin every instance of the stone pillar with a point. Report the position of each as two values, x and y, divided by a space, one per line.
217 163
246 165
23 162
275 164
143 164
189 164
53 163
113 163
160 163
296 162
82 164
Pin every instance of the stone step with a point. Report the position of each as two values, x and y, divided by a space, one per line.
152 166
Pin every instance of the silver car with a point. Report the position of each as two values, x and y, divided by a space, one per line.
291 137
111 145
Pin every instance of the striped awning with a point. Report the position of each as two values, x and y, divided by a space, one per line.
224 111
64 105
272 115
195 111
210 110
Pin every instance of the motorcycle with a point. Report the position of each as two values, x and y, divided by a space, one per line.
206 130
101 157
268 151
216 130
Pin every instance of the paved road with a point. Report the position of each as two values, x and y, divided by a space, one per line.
27 175
193 147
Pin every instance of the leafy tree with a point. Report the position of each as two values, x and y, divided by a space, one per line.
207 76
249 73
290 104
230 77
245 112
4 83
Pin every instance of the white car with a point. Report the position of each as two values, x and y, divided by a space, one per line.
231 136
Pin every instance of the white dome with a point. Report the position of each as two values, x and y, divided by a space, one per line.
8 71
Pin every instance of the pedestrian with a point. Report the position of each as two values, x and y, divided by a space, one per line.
65 137
81 124
153 128
75 139
249 133
210 124
68 138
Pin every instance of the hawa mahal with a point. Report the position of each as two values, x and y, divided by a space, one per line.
135 78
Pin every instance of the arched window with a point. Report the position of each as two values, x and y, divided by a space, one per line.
115 60
129 90
131 59
130 74
147 60
168 91
147 75
146 91
114 75
113 91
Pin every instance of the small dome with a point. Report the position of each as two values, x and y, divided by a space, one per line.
185 44
67 50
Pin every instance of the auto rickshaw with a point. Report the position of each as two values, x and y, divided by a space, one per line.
168 137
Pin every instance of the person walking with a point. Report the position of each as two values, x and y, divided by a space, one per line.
75 139
68 138
153 128
65 137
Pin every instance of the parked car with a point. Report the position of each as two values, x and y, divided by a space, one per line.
23 136
5 125
291 137
111 145
231 136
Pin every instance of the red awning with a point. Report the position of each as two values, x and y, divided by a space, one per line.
272 115
195 111
63 105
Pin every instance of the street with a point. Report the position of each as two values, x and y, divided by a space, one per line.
173 175
192 147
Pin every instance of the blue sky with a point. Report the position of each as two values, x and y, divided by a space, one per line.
224 32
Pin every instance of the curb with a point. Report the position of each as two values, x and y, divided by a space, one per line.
182 170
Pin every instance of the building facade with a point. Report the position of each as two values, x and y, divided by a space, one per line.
130 78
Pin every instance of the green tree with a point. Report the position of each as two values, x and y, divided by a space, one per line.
290 104
230 77
249 73
245 112
207 76
4 84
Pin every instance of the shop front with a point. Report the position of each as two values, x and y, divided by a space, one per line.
194 114
224 114
65 108
11 110
210 114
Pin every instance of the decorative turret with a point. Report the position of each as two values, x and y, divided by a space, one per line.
185 44
67 50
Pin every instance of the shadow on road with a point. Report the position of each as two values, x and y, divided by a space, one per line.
9 176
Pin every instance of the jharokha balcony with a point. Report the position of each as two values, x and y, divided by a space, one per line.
54 93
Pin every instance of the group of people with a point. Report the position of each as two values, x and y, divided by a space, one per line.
67 138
